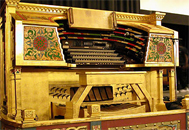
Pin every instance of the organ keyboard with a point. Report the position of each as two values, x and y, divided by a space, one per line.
123 40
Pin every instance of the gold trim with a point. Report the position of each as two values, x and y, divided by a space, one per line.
62 9
70 10
42 23
128 116
145 22
81 18
80 120
12 2
152 126
150 28
118 16
40 19
2 83
42 8
131 17
114 19
77 128
59 17
153 64
19 51
140 18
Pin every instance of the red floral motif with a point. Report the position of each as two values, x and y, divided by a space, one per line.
40 43
96 127
161 48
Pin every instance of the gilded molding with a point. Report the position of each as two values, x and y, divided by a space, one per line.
157 16
63 10
140 18
130 17
45 9
169 125
73 128
12 2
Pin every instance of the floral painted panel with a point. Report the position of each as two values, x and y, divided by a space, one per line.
160 49
41 43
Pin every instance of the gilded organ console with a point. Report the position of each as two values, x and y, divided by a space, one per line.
80 65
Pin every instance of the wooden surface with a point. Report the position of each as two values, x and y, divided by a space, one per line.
172 88
136 80
27 86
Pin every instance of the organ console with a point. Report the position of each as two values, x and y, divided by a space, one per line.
75 68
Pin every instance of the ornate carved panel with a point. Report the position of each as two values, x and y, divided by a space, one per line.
41 43
160 49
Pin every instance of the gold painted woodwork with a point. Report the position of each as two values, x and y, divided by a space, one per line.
28 115
18 95
80 120
20 51
172 89
89 19
169 125
117 102
137 80
185 102
10 8
37 92
126 109
160 104
60 86
1 64
29 88
41 8
40 14
132 19
73 128
31 93
140 18
12 2
94 110
35 14
150 23
117 88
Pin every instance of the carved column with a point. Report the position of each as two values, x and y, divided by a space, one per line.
161 104
172 85
1 64
17 72
8 62
9 43
12 95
